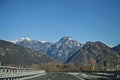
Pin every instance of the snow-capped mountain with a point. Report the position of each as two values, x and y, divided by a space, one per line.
21 39
60 51
68 50
63 49
40 46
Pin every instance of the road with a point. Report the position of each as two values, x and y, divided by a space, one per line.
56 76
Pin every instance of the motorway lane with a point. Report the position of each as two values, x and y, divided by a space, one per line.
56 76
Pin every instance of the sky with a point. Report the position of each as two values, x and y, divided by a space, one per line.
49 20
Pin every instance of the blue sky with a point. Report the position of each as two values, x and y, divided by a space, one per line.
49 20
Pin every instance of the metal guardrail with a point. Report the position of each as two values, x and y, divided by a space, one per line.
115 72
109 74
16 73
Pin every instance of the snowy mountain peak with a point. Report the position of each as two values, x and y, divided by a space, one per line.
21 39
66 38
25 39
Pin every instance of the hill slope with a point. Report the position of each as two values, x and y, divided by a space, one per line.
94 50
117 49
14 54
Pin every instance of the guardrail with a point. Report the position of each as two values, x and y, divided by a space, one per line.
16 73
109 74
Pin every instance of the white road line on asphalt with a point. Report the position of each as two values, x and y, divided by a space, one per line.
48 79
34 76
77 76
53 76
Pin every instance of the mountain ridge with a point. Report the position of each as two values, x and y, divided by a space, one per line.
94 51
52 49
67 48
15 54
117 48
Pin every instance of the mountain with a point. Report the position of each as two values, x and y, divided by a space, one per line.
60 51
21 39
40 46
69 50
94 51
117 49
63 49
15 54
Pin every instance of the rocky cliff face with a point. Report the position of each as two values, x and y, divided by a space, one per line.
63 49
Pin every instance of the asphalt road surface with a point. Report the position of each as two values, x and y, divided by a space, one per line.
56 76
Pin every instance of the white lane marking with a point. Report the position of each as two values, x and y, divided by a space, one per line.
53 76
76 75
48 79
79 77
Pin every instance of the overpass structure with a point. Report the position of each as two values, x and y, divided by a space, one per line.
18 73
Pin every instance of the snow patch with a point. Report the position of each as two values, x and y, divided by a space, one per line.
21 39
70 38
78 45
43 41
